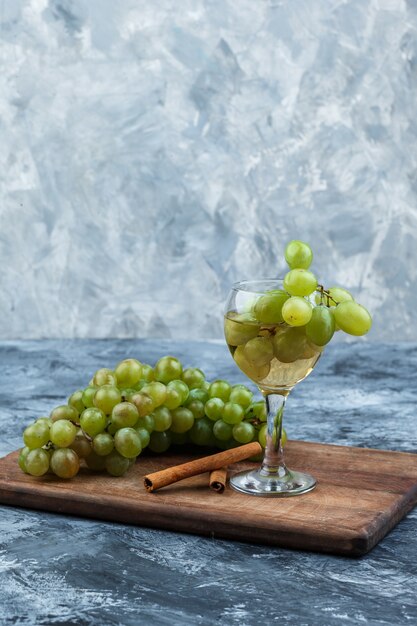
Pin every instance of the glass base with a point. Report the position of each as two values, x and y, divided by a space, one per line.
280 482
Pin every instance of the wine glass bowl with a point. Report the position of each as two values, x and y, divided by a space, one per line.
276 357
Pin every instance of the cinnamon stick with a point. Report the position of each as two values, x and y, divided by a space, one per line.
172 475
218 479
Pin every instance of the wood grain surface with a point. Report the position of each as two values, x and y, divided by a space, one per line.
361 495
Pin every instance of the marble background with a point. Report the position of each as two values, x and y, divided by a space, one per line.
149 156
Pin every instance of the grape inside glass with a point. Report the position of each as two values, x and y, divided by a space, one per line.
276 357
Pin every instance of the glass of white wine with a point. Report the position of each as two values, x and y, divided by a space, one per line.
276 357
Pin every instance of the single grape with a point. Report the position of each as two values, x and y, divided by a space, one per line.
22 459
201 434
88 396
127 443
104 376
65 462
298 254
62 433
182 420
220 389
95 462
65 412
162 419
201 395
116 464
297 311
173 398
157 391
181 388
256 411
93 421
268 308
37 462
36 435
239 328
124 414
197 408
193 377
254 372
168 368
144 436
222 431
106 397
338 295
76 401
242 395
143 403
160 442
232 413
128 372
214 409
320 329
353 318
259 351
81 445
243 432
262 436
148 374
299 282
289 346
147 422
103 444
46 421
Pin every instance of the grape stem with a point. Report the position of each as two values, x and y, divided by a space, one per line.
325 293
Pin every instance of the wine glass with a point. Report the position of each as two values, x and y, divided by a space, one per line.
276 357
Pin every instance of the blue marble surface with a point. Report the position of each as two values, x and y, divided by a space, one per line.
154 152
68 571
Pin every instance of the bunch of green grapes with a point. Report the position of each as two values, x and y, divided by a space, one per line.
121 412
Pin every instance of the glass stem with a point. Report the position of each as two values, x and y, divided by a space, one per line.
273 463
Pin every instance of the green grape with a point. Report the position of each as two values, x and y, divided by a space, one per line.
353 318
93 421
197 409
299 282
214 409
139 386
201 433
88 396
289 346
148 374
157 391
259 351
262 436
162 419
320 329
81 445
220 389
65 462
64 412
254 372
160 442
178 439
182 420
116 464
256 411
268 308
193 377
128 393
22 459
205 386
239 328
104 376
173 398
201 395
128 372
106 397
180 387
36 462
127 443
144 437
232 413
76 401
168 368
103 444
46 421
95 462
242 395
147 422
297 311
298 254
143 403
243 432
62 433
36 435
222 431
338 295
124 414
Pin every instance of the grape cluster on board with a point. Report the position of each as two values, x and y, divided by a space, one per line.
133 407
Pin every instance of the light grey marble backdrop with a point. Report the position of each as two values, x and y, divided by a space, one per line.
154 152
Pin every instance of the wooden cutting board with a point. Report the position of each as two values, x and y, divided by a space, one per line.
361 495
